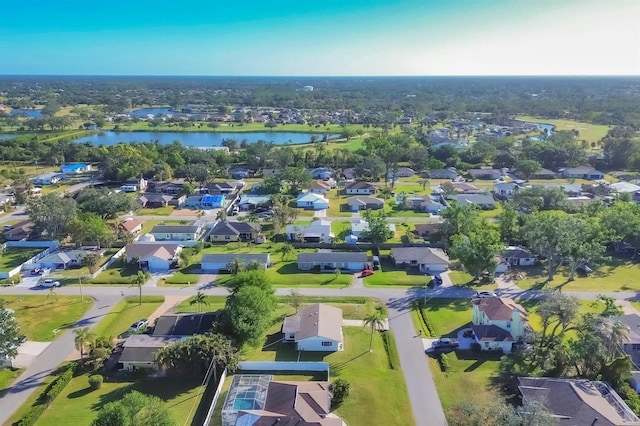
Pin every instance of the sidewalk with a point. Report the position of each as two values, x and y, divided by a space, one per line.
169 302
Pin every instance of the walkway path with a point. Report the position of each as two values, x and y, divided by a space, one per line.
169 302
58 351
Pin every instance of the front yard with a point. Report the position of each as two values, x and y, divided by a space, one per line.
160 211
287 274
42 318
119 272
390 275
617 274
13 257
125 313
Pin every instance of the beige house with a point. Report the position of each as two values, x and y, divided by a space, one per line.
317 327
498 323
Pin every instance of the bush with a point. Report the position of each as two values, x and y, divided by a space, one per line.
390 348
58 385
95 381
443 360
340 389
47 397
32 416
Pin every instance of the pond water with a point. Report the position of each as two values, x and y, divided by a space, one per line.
31 113
199 139
6 136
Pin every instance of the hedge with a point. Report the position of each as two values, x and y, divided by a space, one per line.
390 348
443 360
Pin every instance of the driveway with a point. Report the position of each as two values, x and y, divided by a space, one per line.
320 213
28 352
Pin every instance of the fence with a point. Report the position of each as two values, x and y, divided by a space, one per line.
284 366
109 262
49 246
207 419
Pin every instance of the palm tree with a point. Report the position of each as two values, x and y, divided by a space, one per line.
375 321
139 279
286 250
614 334
235 266
199 299
423 183
82 338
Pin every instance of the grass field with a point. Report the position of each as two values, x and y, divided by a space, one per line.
119 272
616 275
125 313
367 372
184 276
78 404
287 274
16 256
160 211
390 275
42 317
7 376
587 131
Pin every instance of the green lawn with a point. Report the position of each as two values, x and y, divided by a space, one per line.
617 274
185 276
78 404
337 205
160 211
589 132
464 279
41 318
126 313
214 303
7 376
390 275
492 214
16 256
287 274
367 372
119 272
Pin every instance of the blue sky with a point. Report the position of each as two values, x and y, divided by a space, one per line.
329 37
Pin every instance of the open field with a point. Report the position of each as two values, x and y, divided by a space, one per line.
41 318
126 313
79 405
617 274
160 211
13 257
368 373
587 131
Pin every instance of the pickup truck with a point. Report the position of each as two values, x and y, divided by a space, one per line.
443 344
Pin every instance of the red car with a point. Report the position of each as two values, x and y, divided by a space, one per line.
366 273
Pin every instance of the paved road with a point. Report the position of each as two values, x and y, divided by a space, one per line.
12 398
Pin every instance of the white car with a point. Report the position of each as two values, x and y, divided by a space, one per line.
49 284
483 294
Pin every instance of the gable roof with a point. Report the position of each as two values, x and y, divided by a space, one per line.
234 228
312 198
130 225
481 199
499 308
154 198
143 250
362 201
518 252
263 259
175 229
334 256
359 185
319 184
491 333
578 402
65 256
427 228
422 255
317 320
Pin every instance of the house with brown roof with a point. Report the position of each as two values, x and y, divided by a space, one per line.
428 230
498 323
133 226
359 188
317 327
485 173
152 256
426 259
577 401
519 256
320 187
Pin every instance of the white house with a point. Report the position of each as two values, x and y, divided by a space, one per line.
312 201
330 261
129 187
152 256
76 168
358 226
427 260
519 256
317 327
505 189
319 231
50 178
215 263
359 188
582 172
363 203
177 232
498 323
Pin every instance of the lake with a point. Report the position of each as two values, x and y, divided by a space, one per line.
31 113
199 139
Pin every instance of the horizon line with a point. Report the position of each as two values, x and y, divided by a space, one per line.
338 76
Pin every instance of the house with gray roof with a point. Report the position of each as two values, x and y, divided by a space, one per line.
49 178
234 231
317 327
582 172
153 256
483 201
330 261
574 402
631 344
64 259
449 173
427 260
485 173
359 188
217 263
177 232
364 203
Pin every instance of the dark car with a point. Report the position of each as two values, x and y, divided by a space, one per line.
366 273
444 344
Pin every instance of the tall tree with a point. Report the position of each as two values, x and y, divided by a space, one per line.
10 336
106 203
509 224
52 214
90 227
298 178
199 299
546 234
82 338
378 231
620 222
476 250
135 409
286 250
374 320
195 354
91 261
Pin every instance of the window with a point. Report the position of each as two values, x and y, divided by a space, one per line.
635 347
327 343
227 237
509 324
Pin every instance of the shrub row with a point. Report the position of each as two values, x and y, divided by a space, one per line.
390 348
46 398
427 322
443 360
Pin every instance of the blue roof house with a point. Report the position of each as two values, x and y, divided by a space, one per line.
75 168
212 201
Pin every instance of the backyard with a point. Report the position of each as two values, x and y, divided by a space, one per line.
42 317
125 313
13 257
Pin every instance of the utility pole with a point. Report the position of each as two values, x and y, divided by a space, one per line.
80 282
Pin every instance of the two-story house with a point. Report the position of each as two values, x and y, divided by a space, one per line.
498 323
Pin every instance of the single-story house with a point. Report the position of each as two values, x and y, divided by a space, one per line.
316 327
239 173
519 256
319 231
359 188
224 188
169 188
72 169
498 323
250 202
573 402
349 173
582 172
49 178
359 226
132 225
216 263
488 173
321 173
571 189
152 200
543 174
311 201
401 172
177 232
424 203
484 201
7 199
193 201
505 189
234 231
450 173
212 201
330 261
363 203
426 230
319 187
624 187
631 344
139 350
270 172
465 188
129 187
152 256
428 260
64 259
18 232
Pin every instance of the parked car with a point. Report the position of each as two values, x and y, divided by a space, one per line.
443 344
142 324
49 284
483 294
435 281
36 271
366 273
